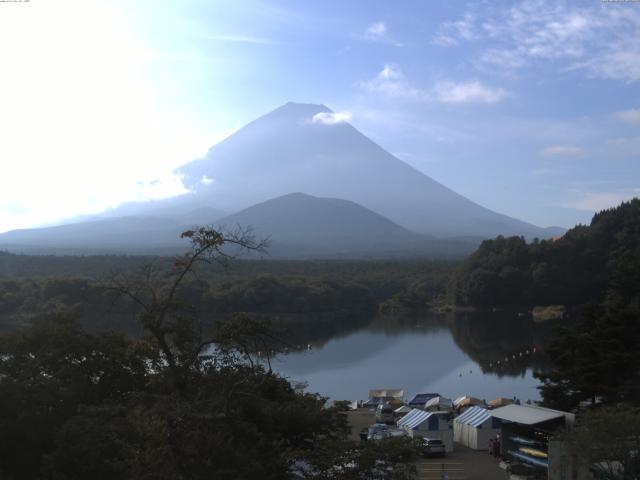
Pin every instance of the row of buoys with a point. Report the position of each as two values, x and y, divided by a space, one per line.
524 353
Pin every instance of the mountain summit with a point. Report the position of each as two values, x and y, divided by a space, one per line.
307 148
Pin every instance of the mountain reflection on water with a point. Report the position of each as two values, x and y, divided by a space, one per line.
486 355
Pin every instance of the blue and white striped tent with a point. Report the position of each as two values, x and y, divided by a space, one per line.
474 416
419 423
474 427
418 418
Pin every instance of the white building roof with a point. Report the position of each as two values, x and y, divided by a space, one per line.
527 414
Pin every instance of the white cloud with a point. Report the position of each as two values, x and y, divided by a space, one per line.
377 32
206 180
463 29
602 200
467 92
629 116
508 59
562 151
378 29
623 147
391 82
445 40
331 118
600 39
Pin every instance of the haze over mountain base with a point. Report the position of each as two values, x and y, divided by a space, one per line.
355 199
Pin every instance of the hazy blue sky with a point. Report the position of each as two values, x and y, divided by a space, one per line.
531 108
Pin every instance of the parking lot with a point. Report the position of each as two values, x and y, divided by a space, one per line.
462 464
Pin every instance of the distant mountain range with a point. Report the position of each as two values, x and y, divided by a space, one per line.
129 234
356 200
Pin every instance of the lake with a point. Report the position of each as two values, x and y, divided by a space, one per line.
485 355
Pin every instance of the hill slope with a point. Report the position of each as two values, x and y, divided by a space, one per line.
301 225
298 217
575 269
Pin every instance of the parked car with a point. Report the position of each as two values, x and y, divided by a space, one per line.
432 447
377 431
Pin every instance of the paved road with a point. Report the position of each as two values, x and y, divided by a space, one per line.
462 464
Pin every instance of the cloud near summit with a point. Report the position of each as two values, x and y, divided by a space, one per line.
331 118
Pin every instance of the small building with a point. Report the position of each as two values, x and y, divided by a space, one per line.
435 425
526 430
475 427
420 399
383 395
439 404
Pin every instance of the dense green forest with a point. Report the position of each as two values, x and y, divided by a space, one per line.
572 270
594 370
322 293
597 359
98 307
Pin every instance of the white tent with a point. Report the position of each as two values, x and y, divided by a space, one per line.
418 423
439 404
475 427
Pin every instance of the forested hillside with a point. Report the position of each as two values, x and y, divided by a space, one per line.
96 306
572 270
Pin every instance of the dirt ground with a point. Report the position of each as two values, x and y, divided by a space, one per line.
462 464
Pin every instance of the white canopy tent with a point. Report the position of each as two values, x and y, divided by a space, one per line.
475 427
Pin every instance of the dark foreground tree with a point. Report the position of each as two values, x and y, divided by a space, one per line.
597 359
179 404
608 441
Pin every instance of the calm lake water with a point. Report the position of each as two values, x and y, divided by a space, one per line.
453 355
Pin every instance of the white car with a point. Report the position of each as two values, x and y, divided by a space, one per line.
432 447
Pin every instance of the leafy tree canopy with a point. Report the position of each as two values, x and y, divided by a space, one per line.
182 402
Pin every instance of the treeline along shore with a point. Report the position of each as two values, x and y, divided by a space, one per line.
505 273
